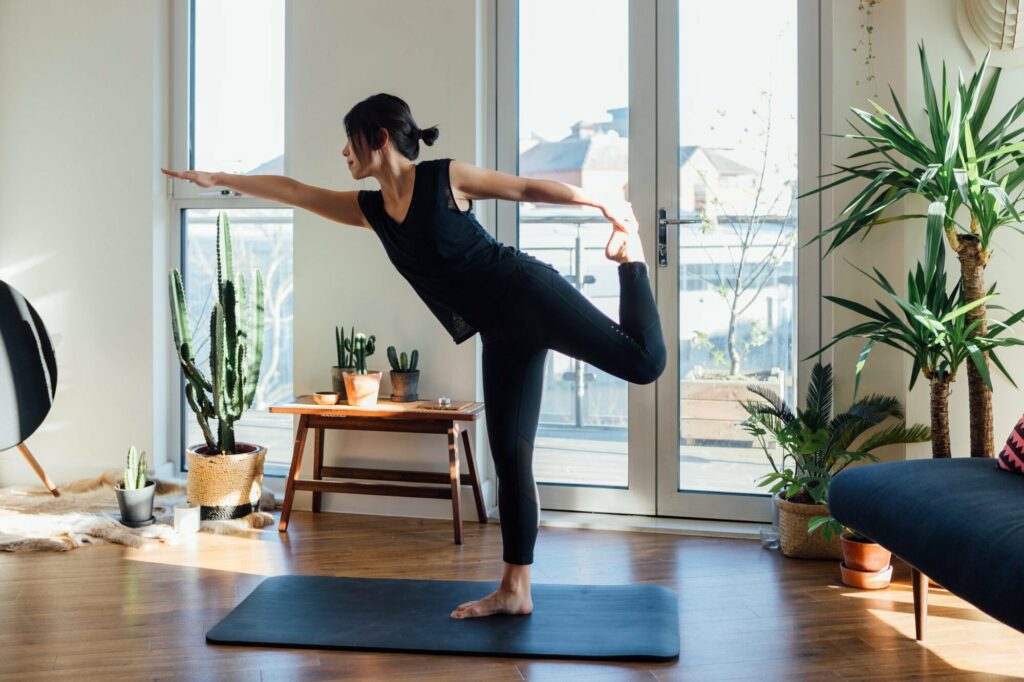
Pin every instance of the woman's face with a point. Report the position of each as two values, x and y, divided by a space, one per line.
359 169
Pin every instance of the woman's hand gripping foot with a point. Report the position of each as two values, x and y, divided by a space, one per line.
624 244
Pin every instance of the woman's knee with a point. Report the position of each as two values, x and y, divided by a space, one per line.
649 367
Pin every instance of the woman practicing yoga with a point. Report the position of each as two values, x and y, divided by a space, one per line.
521 306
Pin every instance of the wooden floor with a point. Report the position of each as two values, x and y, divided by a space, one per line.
107 612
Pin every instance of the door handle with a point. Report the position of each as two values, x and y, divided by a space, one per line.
663 222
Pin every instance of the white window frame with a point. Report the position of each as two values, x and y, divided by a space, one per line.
184 195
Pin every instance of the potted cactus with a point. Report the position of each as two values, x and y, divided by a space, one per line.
225 476
135 493
345 345
362 385
404 375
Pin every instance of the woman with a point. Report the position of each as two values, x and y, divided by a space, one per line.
521 306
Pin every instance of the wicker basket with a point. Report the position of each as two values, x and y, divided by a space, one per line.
226 486
794 539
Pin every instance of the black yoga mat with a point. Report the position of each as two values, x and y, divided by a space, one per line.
611 622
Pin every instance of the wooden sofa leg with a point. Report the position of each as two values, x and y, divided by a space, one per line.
920 583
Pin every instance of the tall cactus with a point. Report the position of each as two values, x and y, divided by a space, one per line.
236 346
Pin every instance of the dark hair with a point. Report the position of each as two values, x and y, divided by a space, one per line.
364 121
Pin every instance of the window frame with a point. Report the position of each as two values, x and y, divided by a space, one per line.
184 195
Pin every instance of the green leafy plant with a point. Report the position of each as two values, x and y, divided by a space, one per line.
815 445
955 163
135 470
932 327
403 363
236 347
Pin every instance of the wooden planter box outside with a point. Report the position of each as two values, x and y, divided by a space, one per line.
710 413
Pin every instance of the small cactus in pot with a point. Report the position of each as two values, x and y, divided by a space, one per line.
343 346
135 493
361 385
404 375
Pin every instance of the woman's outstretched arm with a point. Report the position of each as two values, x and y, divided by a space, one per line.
482 183
341 207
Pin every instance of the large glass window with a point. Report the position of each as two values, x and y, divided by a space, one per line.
235 123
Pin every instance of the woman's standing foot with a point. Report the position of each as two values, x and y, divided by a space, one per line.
511 597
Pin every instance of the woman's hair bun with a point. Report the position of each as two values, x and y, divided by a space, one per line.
429 135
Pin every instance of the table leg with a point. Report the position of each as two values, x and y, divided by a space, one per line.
481 511
293 473
453 470
318 462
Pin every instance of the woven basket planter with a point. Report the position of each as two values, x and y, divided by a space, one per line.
794 539
226 486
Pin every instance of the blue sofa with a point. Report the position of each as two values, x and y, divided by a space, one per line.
959 521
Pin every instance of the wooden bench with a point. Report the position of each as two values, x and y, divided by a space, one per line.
421 416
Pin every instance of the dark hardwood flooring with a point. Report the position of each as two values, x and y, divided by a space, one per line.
111 613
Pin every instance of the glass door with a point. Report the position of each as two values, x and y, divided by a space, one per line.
689 110
728 122
578 76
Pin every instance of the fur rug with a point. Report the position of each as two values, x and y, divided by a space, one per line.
86 513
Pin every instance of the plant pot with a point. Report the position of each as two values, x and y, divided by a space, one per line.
338 381
362 389
795 541
866 580
404 386
136 505
864 555
226 486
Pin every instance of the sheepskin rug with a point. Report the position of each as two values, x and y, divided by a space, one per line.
86 513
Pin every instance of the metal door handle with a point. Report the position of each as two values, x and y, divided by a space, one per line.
663 222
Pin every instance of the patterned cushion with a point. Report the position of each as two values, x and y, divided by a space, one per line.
1012 456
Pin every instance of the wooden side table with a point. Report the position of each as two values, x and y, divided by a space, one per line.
421 416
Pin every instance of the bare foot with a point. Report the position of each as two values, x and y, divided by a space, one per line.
499 601
624 247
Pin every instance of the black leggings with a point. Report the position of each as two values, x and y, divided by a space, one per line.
542 310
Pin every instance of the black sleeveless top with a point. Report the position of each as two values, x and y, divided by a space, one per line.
452 263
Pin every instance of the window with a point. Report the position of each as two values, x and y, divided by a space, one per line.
229 117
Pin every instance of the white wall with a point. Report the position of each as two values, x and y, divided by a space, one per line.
83 218
339 53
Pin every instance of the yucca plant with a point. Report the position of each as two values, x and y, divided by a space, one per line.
933 327
236 347
816 445
957 164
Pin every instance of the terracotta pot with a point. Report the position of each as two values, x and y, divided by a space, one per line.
226 486
864 555
795 541
362 389
404 386
866 580
338 381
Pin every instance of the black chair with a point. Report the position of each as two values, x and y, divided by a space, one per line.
959 520
28 375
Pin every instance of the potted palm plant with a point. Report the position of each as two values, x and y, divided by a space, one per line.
815 447
958 164
404 375
933 327
135 493
225 476
362 385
